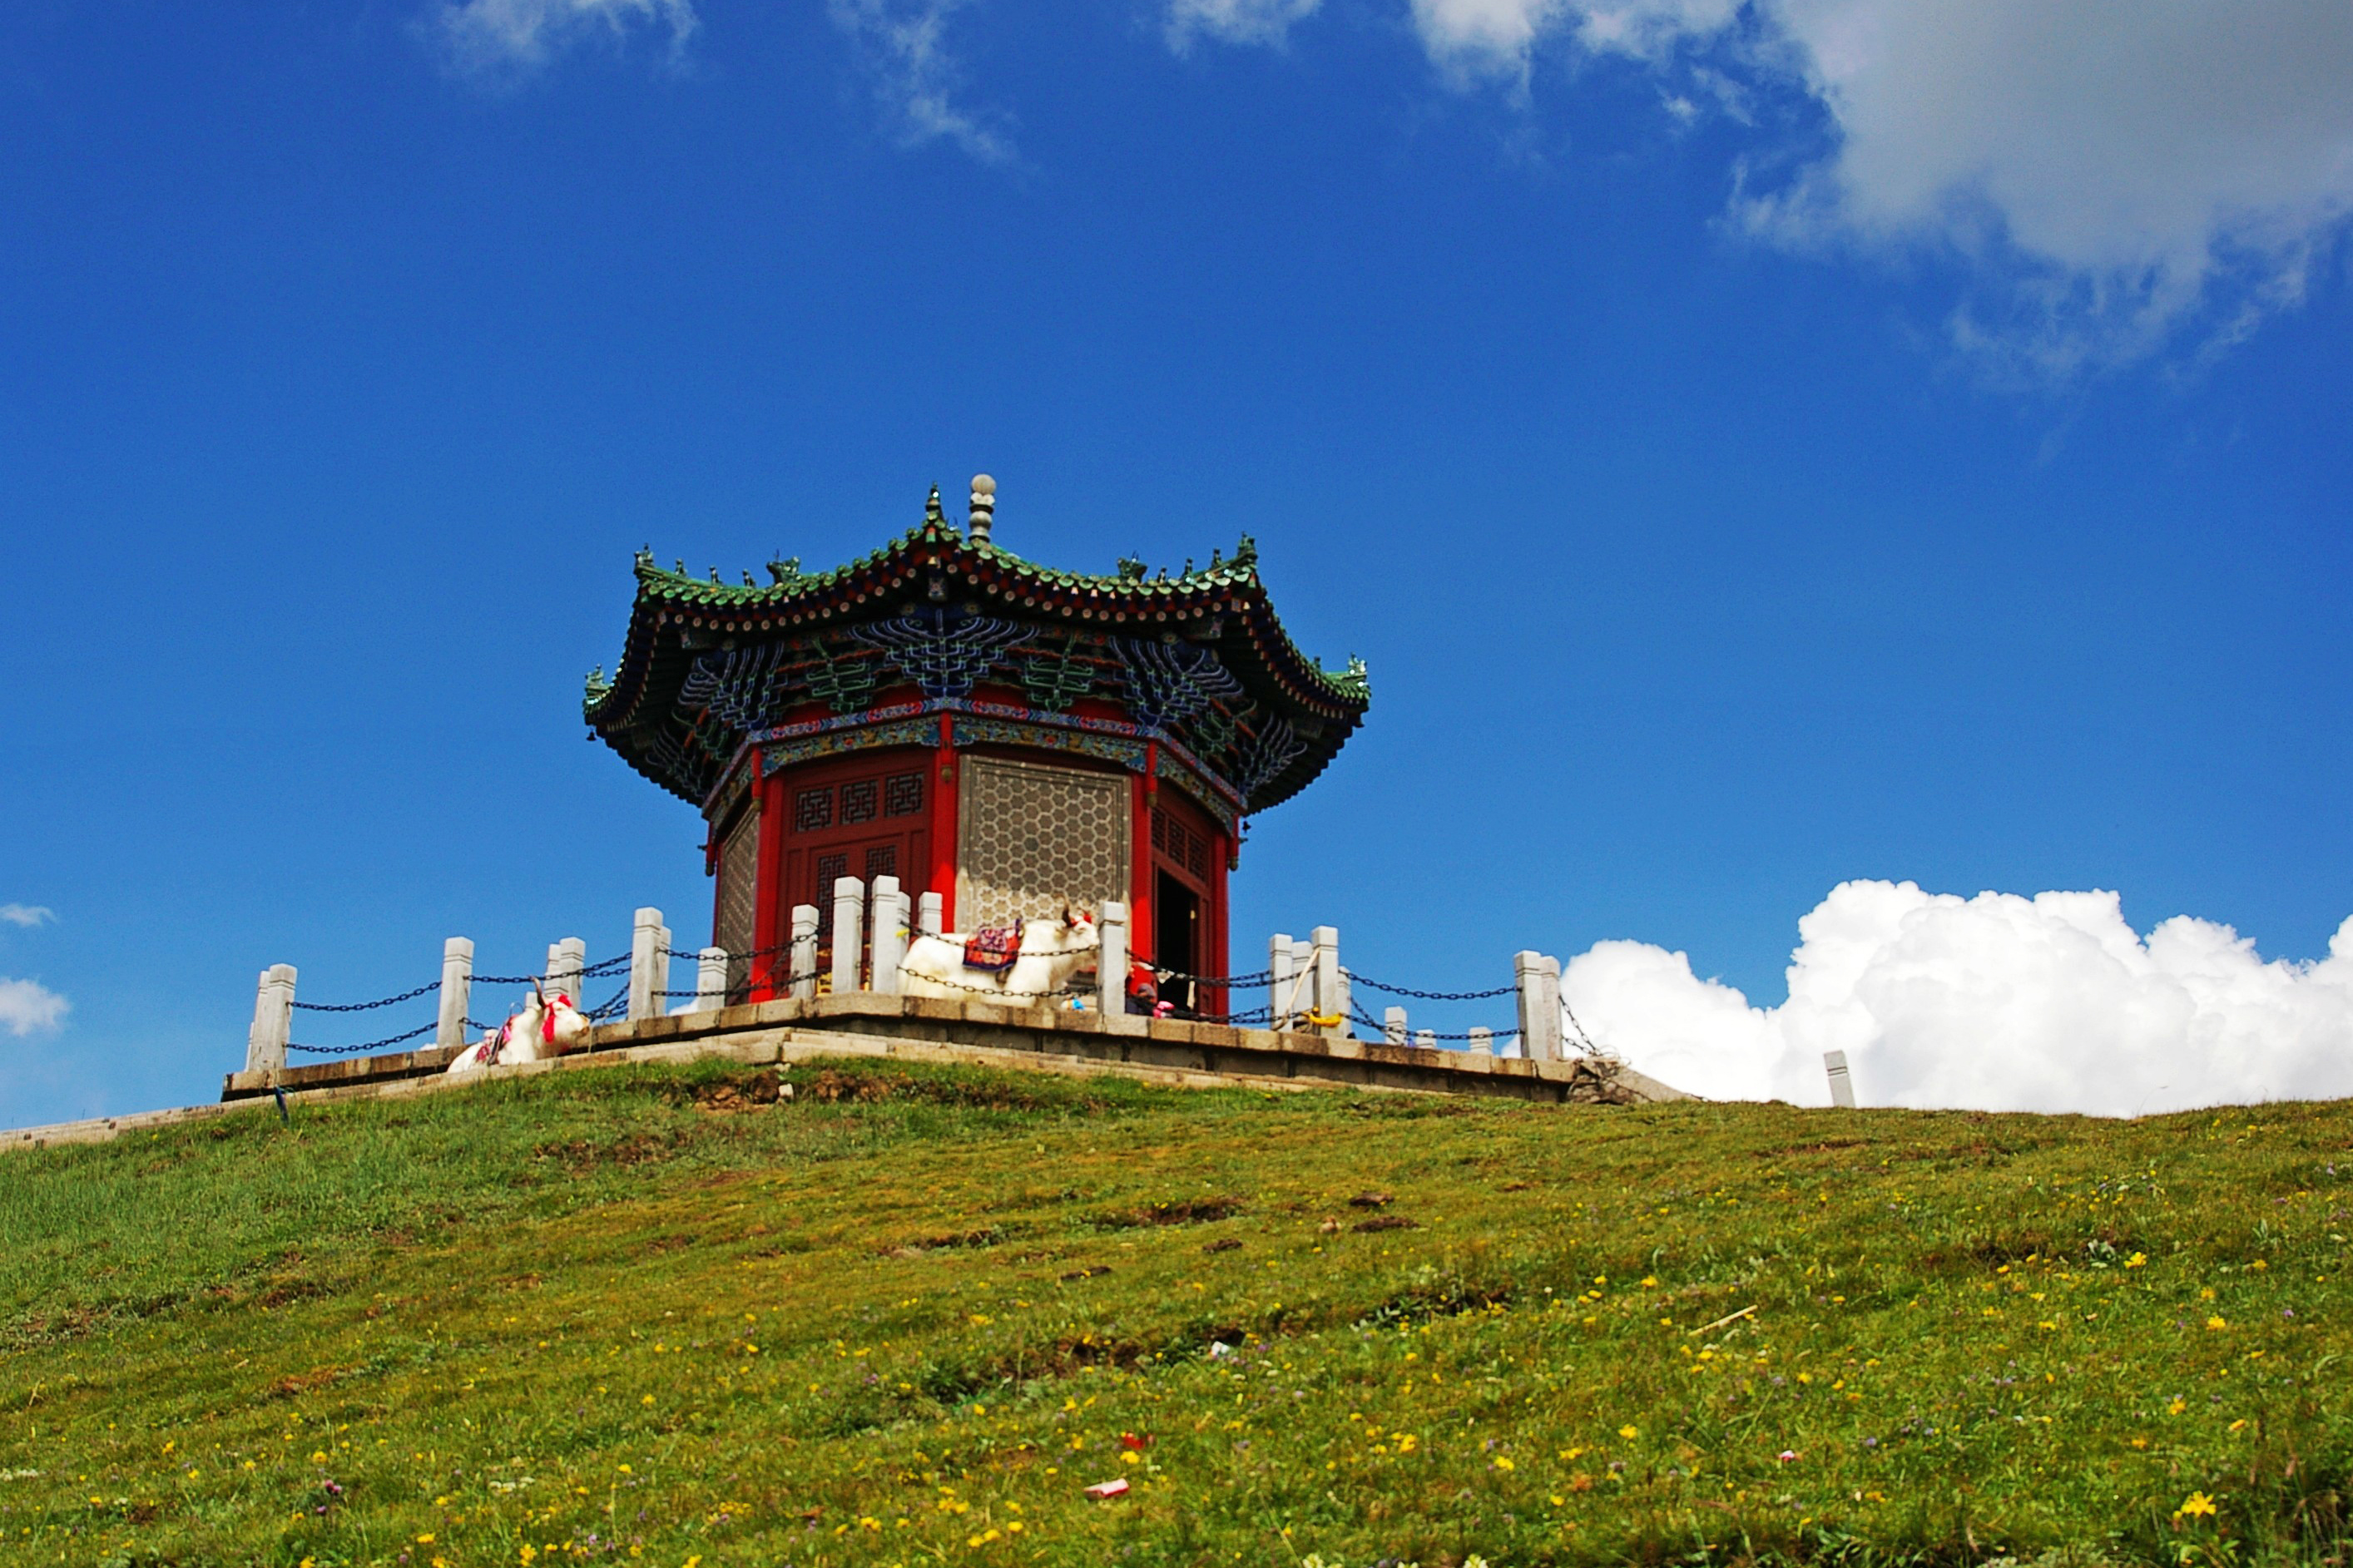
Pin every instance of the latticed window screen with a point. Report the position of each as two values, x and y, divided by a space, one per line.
858 800
1182 845
733 926
903 795
882 860
830 868
812 809
1034 837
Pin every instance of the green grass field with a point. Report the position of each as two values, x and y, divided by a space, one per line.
634 1315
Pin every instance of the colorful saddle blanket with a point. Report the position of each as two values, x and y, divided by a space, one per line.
993 948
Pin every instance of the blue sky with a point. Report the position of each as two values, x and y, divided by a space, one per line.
1739 479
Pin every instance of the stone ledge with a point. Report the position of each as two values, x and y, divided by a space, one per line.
1030 1033
1169 1052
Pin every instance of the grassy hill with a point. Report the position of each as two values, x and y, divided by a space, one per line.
638 1315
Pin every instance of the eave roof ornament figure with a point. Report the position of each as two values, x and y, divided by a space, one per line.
947 621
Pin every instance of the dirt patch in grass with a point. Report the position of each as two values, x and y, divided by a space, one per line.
1386 1222
735 1092
831 1088
1180 1211
992 1236
973 1091
582 1154
295 1386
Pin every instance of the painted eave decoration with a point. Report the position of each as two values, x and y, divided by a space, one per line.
1199 658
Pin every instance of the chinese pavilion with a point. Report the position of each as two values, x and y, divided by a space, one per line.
1007 735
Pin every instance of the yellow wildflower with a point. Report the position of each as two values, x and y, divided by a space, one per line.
2194 1506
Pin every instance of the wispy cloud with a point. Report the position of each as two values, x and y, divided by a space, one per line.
1265 22
499 39
27 915
2113 181
26 1005
902 46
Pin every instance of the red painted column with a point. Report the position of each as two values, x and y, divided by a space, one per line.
1139 873
944 824
1215 960
768 887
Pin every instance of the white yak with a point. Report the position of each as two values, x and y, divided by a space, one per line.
547 1027
1051 952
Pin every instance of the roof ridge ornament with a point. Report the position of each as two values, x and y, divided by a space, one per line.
933 515
984 508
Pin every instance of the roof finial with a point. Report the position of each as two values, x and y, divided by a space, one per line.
984 508
931 508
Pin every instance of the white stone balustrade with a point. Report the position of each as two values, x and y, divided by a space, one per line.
849 932
1841 1081
273 1020
565 960
1110 960
648 964
457 992
1537 977
1331 993
711 980
803 975
889 934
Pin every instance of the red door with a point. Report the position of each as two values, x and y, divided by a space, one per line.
862 817
1183 889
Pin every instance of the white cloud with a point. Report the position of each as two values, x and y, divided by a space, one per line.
502 37
1235 21
2116 174
26 1005
27 915
914 74
1997 1003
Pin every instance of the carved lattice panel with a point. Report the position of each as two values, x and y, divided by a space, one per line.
1033 838
732 925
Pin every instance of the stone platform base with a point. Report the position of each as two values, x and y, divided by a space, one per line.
1169 1052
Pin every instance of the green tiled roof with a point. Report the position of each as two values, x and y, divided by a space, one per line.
677 616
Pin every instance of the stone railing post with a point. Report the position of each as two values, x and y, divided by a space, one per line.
457 992
646 981
1483 1043
711 980
1393 1025
1425 1039
1282 981
849 932
565 959
273 1020
1537 976
889 934
1331 993
931 914
1110 960
1842 1081
804 951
